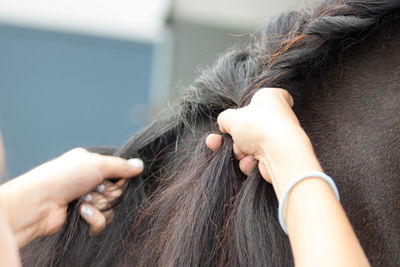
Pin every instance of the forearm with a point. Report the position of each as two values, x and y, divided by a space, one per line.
9 255
319 231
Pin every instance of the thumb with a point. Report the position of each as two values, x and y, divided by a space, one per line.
225 120
113 167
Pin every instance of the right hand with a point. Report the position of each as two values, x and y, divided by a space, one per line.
266 132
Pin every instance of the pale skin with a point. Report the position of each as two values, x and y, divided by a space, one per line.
35 203
267 134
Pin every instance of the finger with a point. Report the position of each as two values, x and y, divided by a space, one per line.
93 217
113 167
238 153
247 164
100 203
214 141
285 94
104 200
112 193
120 183
102 187
265 173
225 120
103 204
107 187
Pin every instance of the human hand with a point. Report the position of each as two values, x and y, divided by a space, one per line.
36 202
266 133
269 113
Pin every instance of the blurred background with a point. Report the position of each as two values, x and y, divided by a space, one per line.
93 72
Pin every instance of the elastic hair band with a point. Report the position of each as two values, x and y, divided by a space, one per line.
295 181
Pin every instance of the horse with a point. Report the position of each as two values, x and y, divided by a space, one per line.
193 207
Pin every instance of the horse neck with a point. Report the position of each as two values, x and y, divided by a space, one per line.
353 122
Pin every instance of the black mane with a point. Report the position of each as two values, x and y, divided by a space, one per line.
193 207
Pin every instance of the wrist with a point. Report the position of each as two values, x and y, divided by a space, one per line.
287 155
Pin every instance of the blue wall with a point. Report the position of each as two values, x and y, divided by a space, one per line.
59 91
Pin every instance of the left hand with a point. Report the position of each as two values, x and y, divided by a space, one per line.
36 202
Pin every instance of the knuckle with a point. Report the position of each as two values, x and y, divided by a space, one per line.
263 92
98 225
79 150
116 193
266 94
101 203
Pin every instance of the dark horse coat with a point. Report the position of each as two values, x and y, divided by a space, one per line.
193 207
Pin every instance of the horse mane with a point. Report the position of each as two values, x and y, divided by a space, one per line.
192 206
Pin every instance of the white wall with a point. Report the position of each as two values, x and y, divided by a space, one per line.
138 19
239 14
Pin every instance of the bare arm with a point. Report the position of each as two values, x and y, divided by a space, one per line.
319 230
9 255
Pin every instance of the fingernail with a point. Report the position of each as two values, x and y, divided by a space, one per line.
86 211
250 159
136 163
88 197
100 188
